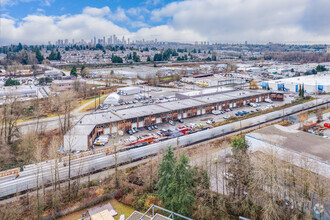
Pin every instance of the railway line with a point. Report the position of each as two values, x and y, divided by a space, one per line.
36 175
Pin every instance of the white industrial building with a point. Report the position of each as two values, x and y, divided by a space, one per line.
129 90
112 99
313 84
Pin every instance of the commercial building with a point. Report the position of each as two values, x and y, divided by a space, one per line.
296 147
54 74
129 90
21 91
90 126
66 85
313 84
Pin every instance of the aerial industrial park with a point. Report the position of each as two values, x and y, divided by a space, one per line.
108 116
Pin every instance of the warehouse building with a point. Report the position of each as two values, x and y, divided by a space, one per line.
313 84
90 126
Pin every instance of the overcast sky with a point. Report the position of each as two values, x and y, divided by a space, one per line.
224 21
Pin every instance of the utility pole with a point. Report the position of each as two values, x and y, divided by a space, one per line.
94 96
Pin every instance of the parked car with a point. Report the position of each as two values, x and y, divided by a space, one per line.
130 132
135 129
210 121
268 101
226 116
171 122
238 113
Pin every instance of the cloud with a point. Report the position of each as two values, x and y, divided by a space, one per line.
256 21
240 20
167 33
36 29
100 12
119 15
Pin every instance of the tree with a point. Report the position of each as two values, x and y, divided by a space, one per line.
148 59
239 168
253 84
82 68
45 80
116 59
158 57
11 112
136 58
320 68
73 71
52 56
165 174
12 82
176 183
181 188
19 47
84 71
39 57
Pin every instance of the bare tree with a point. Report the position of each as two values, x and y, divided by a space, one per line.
62 104
11 112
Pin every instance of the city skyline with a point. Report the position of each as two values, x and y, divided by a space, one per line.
38 22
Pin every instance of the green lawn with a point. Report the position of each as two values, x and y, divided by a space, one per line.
121 209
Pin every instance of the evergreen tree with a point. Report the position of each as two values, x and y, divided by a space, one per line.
52 56
165 174
303 91
148 59
82 68
58 56
181 188
73 71
39 57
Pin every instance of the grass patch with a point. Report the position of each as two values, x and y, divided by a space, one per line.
91 105
121 209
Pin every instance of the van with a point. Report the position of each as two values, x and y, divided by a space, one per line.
102 139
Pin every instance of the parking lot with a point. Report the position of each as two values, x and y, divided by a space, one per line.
150 95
